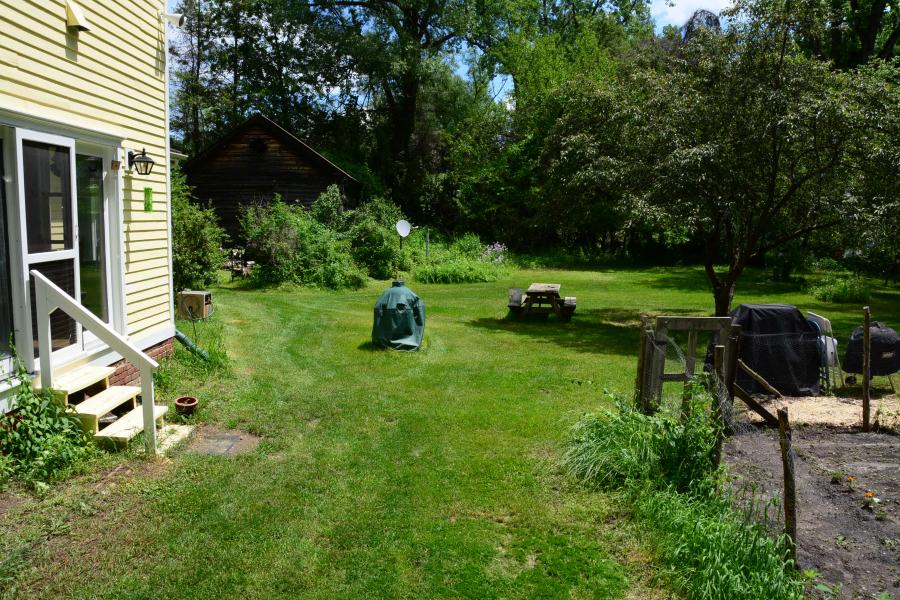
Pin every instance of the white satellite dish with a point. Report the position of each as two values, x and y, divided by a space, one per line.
403 227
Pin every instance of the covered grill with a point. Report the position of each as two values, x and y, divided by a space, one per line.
399 319
884 350
779 344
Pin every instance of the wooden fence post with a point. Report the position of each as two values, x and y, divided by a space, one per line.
867 368
639 379
790 490
717 409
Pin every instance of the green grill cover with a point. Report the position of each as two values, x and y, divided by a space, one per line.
399 319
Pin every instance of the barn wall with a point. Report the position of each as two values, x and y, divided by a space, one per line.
251 168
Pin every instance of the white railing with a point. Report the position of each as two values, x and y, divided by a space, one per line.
48 298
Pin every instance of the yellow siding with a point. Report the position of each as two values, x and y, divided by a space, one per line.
110 79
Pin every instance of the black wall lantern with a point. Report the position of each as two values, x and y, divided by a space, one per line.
140 162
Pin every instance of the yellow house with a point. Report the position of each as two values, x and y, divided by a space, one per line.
83 112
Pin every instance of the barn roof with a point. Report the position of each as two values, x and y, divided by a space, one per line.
276 130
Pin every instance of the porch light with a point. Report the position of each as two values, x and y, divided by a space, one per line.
140 162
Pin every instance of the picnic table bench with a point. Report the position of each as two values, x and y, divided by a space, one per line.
541 298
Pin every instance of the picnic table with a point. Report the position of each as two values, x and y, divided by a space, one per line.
541 298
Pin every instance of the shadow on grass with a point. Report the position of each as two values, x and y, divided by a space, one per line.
600 331
751 282
368 346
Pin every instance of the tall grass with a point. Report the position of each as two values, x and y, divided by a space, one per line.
664 467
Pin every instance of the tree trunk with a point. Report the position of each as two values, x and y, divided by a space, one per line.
723 292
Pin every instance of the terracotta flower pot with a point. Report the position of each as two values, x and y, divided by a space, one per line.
186 405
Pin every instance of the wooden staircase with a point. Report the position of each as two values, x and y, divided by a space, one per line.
88 391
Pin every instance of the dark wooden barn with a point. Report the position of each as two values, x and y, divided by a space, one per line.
255 161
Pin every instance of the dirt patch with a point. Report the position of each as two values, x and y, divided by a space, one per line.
835 411
855 548
210 439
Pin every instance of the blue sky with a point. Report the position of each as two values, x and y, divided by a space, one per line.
680 10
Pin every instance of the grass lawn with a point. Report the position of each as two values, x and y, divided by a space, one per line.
380 474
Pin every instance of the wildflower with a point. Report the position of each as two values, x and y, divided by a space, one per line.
850 478
870 494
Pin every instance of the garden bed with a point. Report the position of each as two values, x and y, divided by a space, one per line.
855 549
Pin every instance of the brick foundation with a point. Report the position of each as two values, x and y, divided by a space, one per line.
128 374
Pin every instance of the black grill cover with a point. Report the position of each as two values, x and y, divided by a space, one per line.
885 350
781 345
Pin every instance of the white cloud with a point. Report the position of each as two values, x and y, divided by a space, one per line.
681 10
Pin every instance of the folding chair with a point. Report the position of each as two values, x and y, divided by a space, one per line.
831 361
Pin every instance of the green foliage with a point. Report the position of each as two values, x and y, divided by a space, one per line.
40 440
841 287
328 209
712 551
374 243
197 239
464 260
456 270
292 247
184 365
616 449
664 466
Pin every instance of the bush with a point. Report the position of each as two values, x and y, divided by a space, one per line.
844 287
40 440
292 247
374 241
456 270
465 260
328 209
197 239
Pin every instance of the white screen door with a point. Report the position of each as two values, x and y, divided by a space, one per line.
46 169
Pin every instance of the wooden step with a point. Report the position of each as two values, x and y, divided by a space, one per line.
106 401
127 426
79 378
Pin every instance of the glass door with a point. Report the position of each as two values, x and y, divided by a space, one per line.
6 314
47 205
93 257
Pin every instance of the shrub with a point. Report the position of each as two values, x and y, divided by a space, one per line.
328 209
292 247
197 239
468 246
40 439
465 260
456 270
844 287
373 239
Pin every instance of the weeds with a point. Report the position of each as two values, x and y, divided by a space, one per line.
41 440
207 334
664 466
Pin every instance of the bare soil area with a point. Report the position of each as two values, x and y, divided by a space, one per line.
852 541
835 411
